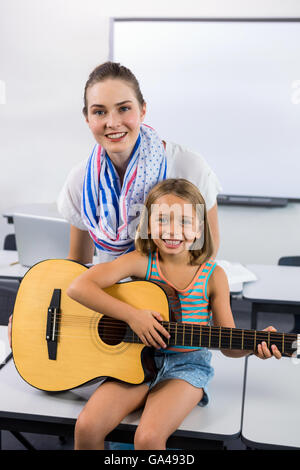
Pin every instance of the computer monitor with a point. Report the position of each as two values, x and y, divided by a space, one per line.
39 238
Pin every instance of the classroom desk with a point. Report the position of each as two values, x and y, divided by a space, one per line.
24 408
276 290
9 266
271 406
11 269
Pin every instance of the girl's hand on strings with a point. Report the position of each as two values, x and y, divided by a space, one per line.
263 352
146 325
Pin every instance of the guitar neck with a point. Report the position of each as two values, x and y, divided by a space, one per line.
214 337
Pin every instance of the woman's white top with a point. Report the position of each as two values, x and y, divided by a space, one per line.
181 163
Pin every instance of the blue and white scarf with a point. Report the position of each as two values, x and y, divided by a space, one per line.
109 210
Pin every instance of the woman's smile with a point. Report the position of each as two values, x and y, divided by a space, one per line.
116 137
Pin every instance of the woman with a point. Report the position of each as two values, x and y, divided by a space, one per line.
114 109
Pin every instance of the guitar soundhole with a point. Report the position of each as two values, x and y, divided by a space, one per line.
111 331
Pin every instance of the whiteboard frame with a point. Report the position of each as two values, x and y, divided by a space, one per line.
224 199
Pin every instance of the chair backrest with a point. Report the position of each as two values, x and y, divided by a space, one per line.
289 261
10 242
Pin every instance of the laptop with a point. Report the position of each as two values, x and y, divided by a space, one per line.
39 238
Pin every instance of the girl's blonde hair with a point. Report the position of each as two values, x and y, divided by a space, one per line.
185 190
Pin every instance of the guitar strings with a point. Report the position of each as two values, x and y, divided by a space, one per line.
66 317
68 320
176 327
116 323
235 341
234 344
233 334
196 341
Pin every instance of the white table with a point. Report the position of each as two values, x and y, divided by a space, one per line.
277 289
10 268
9 265
236 288
271 407
275 283
221 418
28 409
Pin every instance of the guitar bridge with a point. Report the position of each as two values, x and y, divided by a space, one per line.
53 320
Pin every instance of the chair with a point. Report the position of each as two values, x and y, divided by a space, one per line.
10 242
292 261
289 261
8 287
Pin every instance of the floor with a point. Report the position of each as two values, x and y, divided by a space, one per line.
241 310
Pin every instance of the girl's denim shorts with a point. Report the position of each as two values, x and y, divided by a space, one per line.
193 367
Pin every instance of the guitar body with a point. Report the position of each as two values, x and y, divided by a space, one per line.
86 344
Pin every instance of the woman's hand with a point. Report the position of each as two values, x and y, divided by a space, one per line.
145 323
263 351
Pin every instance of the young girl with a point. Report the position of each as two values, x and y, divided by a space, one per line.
174 247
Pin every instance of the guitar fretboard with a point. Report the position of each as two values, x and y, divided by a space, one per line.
191 335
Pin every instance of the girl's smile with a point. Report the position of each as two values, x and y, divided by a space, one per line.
172 244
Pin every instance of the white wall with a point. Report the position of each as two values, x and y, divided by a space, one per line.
47 49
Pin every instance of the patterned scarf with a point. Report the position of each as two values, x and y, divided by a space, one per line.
108 210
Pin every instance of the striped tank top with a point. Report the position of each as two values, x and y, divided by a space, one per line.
189 305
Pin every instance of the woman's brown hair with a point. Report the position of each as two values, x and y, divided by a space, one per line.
116 71
185 190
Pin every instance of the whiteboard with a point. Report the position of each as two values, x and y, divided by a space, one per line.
229 90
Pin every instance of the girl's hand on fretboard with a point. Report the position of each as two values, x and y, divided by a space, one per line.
263 352
146 324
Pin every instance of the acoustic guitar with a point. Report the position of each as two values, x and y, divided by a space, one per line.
58 344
